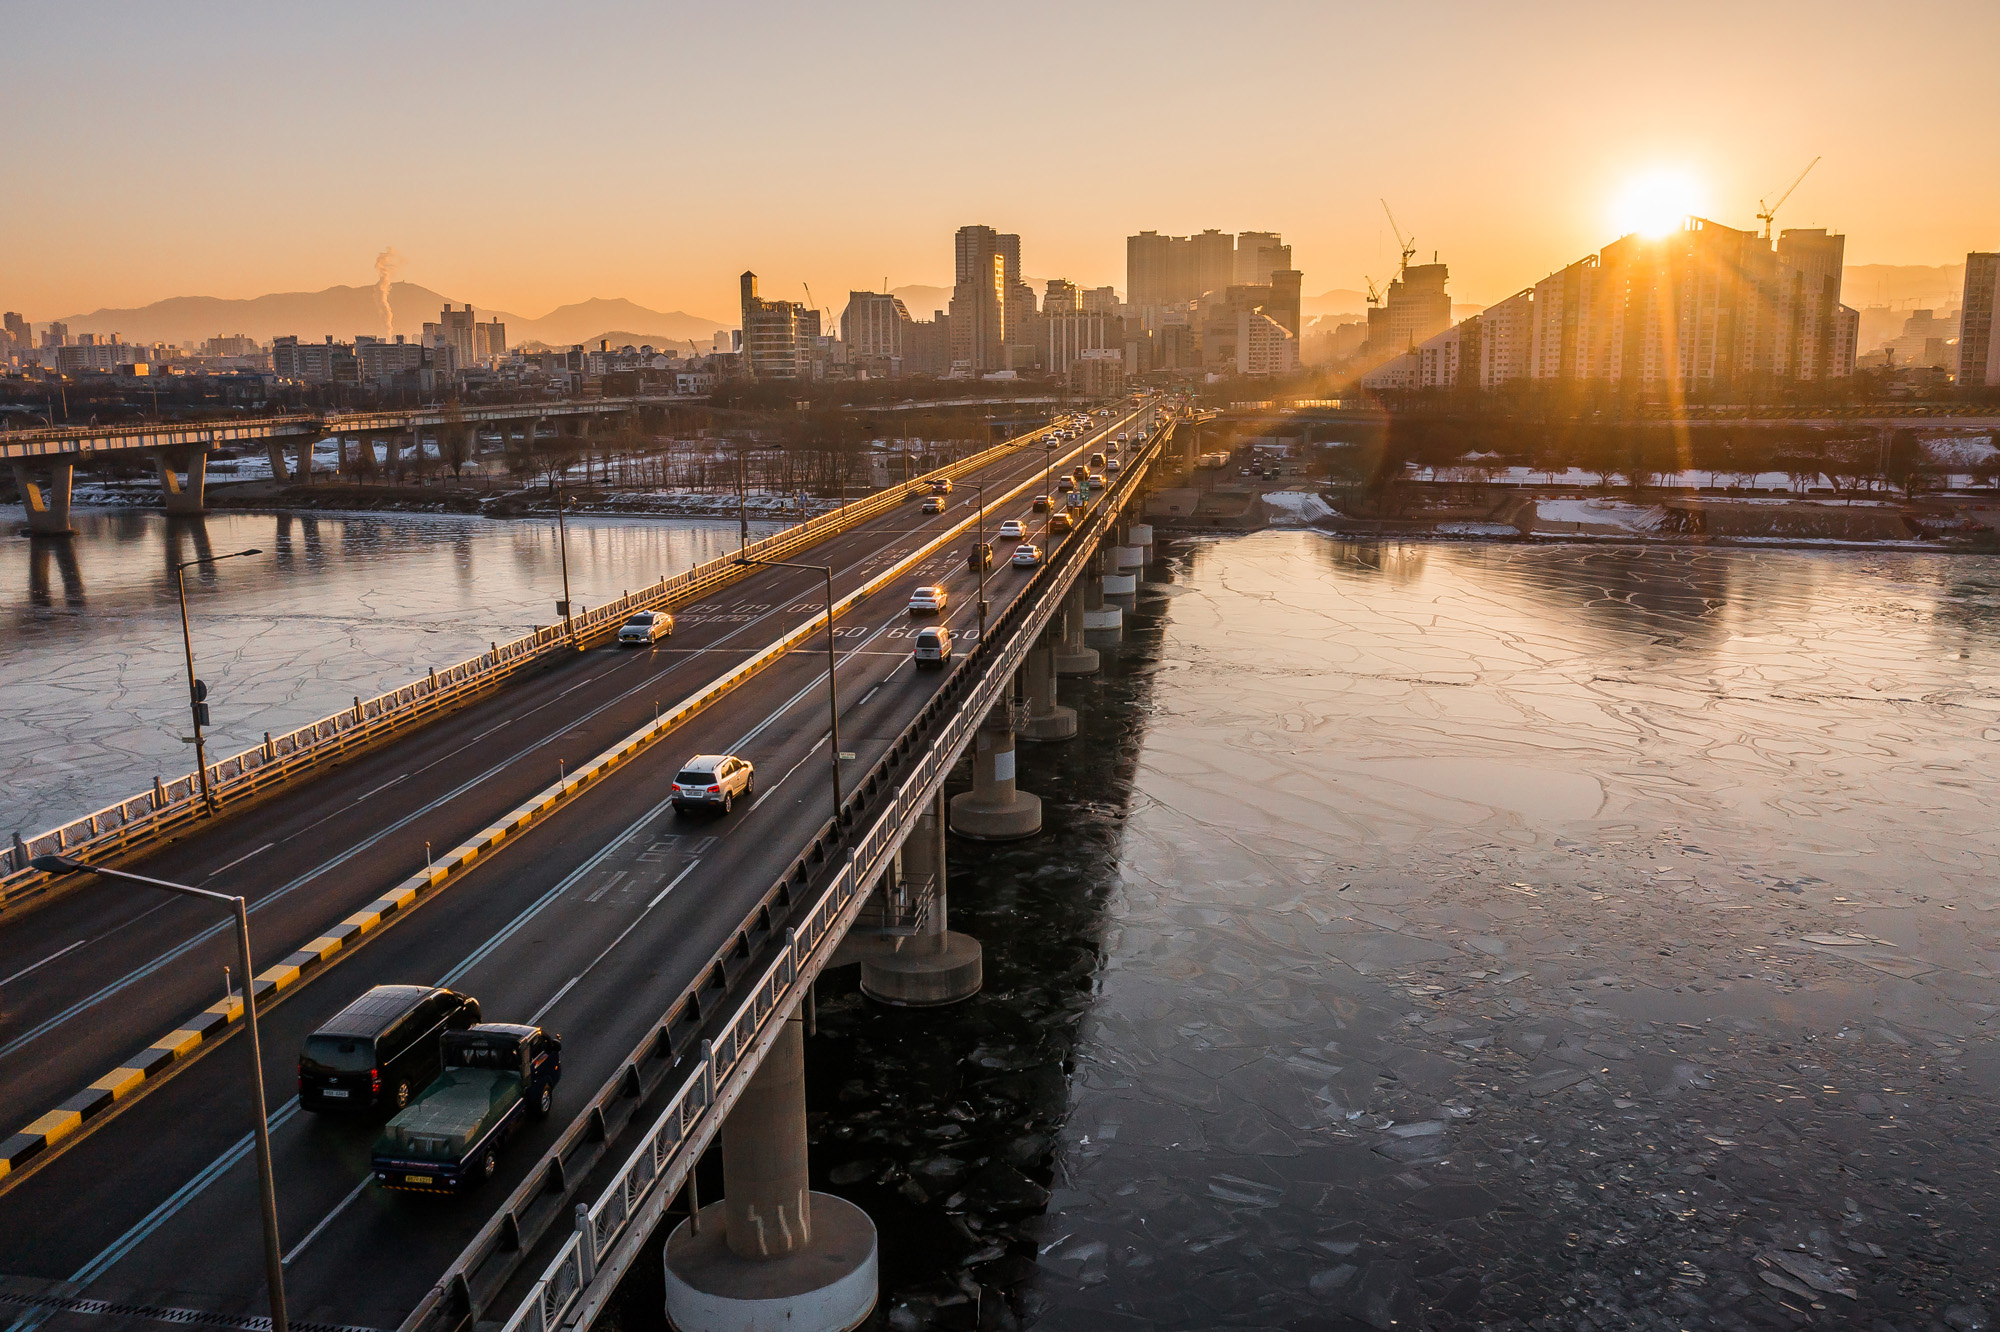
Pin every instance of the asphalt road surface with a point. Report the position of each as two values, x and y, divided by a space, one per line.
591 923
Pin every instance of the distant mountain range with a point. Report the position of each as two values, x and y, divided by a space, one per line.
346 311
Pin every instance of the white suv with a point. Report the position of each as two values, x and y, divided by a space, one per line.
713 781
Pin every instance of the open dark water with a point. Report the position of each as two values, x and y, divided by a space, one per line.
1456 936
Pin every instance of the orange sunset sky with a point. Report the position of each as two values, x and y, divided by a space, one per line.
524 156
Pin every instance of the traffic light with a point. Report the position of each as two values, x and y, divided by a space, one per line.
201 703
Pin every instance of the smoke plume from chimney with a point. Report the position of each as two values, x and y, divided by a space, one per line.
386 264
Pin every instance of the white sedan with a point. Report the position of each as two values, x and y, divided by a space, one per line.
1027 556
1012 528
928 600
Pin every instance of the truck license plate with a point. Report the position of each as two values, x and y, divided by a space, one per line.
417 1179
334 1093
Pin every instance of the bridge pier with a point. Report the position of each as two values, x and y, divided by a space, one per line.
1047 718
937 965
995 810
772 1254
1140 535
1073 656
183 498
1096 613
274 451
47 506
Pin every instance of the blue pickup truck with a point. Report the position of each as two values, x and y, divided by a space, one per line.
496 1075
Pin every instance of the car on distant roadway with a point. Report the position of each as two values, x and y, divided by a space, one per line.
1097 480
379 1050
644 628
1111 466
1060 522
928 599
941 486
713 781
1041 504
934 504
1064 486
1027 556
1096 460
1012 528
980 556
933 645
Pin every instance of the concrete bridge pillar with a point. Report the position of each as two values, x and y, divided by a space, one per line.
416 443
1140 535
1119 556
47 505
183 497
937 965
1073 656
995 810
275 452
1099 614
1047 719
302 470
772 1254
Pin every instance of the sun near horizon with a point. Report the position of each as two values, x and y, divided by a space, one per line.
1654 202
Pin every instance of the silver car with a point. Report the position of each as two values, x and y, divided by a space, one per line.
645 628
933 646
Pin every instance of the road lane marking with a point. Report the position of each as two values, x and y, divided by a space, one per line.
568 985
44 962
195 1187
479 954
788 772
258 852
326 1221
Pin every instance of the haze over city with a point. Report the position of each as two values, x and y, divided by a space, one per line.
651 153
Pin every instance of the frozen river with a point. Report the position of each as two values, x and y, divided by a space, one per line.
1457 935
337 605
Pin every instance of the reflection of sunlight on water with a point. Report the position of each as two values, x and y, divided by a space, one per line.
338 605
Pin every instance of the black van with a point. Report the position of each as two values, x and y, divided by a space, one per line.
382 1049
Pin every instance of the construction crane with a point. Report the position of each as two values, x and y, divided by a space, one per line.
1768 212
1408 243
1374 296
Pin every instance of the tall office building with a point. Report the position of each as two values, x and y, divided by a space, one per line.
1978 349
456 327
773 345
1098 300
1060 298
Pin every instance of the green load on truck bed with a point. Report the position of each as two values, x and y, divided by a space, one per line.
453 1113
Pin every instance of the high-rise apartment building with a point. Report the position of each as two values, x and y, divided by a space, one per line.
1978 349
1704 308
1060 298
1098 300
1258 255
872 328
979 298
1415 308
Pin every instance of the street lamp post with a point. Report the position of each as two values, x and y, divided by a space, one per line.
979 558
832 687
197 691
562 545
267 1188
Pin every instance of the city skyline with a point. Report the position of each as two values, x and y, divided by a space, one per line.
644 194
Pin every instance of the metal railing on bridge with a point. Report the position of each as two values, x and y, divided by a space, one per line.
898 789
171 805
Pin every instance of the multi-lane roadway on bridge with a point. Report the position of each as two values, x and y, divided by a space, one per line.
591 924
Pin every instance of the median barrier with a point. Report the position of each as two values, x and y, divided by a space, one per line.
171 807
193 1036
